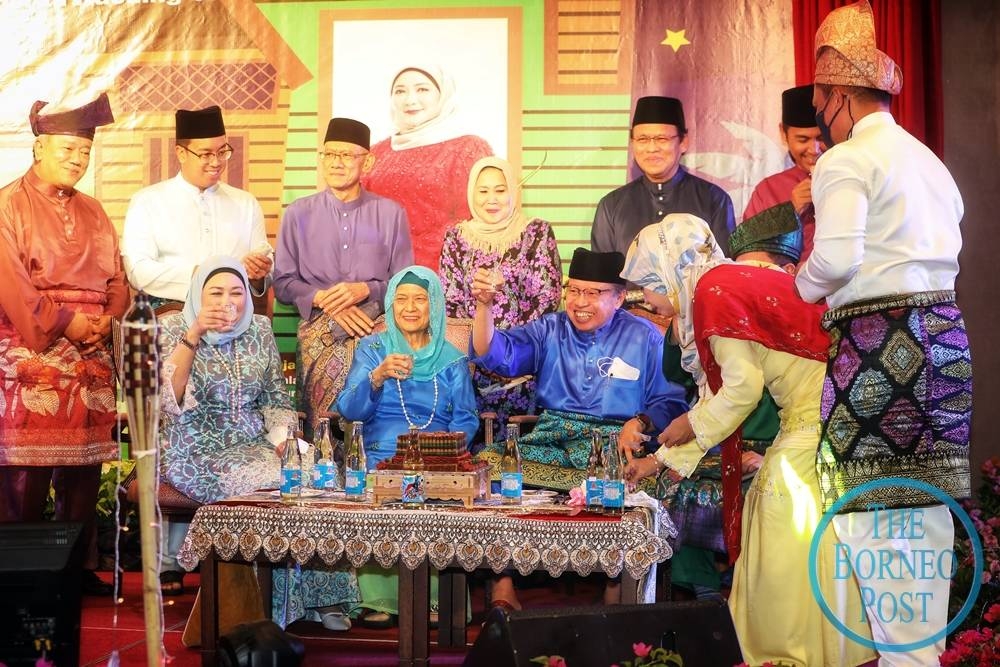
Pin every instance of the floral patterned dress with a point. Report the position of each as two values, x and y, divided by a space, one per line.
215 444
532 273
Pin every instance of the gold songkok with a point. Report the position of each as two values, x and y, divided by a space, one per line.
846 53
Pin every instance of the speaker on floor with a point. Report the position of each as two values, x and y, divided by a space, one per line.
702 632
259 644
40 567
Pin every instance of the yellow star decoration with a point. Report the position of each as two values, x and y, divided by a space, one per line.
675 39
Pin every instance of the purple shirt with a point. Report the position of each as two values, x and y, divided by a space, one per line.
324 241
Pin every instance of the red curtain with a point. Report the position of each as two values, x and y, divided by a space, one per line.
910 32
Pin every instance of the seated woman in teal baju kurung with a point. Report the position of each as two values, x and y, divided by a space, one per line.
407 376
224 401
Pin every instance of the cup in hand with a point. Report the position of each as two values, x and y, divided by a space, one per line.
229 312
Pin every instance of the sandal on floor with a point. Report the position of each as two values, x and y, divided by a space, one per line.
337 621
171 582
376 620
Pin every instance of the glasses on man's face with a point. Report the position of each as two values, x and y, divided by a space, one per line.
660 141
222 155
573 293
347 157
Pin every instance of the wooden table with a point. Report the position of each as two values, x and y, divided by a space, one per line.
541 536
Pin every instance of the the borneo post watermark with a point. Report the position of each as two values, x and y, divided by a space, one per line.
912 569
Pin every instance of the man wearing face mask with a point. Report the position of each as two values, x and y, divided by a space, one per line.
790 191
885 258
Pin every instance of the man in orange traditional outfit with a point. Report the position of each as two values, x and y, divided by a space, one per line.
63 282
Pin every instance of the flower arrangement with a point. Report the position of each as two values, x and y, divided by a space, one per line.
977 641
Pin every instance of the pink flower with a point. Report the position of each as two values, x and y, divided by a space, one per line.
641 650
992 615
577 497
556 661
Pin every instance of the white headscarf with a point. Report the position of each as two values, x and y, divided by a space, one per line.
669 257
441 126
494 236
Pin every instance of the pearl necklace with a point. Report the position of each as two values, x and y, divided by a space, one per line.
399 388
235 378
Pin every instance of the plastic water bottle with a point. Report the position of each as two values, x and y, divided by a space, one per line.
291 469
613 497
355 467
595 472
511 479
324 473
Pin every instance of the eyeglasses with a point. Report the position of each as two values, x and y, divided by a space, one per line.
223 155
573 293
661 141
347 157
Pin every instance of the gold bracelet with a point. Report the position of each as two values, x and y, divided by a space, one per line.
188 344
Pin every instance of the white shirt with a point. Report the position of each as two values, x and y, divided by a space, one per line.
171 227
887 218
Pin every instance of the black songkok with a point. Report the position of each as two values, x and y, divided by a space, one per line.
659 110
349 131
200 124
797 107
598 267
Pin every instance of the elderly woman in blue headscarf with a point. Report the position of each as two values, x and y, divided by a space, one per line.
223 400
407 376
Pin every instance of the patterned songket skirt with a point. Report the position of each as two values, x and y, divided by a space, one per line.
897 400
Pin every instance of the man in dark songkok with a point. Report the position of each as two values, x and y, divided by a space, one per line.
337 250
658 141
792 188
597 367
63 283
173 225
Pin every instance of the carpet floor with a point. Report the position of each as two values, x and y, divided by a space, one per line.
107 628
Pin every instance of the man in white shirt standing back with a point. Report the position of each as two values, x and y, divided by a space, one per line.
171 226
897 399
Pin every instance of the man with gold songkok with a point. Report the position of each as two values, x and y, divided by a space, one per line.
897 399
63 282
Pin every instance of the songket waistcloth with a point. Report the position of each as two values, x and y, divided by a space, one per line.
57 408
561 438
321 362
897 400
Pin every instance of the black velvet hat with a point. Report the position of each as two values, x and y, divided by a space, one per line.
201 124
598 267
80 122
775 230
797 107
350 131
660 110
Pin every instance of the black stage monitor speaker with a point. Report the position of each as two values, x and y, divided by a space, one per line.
40 593
701 632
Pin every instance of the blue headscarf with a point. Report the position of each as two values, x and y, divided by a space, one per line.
438 353
192 304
